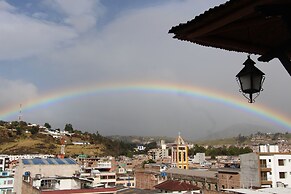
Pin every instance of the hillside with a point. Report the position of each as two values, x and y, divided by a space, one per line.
21 138
243 129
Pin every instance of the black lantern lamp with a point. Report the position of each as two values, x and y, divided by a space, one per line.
250 80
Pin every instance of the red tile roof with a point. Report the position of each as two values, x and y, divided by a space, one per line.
172 185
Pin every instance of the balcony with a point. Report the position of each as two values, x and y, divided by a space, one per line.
266 182
265 169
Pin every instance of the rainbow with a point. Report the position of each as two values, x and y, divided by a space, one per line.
152 87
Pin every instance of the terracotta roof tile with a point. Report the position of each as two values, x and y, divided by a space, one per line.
172 185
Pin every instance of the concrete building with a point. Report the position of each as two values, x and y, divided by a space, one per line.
205 179
27 156
161 153
101 174
158 153
199 158
4 162
44 173
266 169
6 182
228 178
149 176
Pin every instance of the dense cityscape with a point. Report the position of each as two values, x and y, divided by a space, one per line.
256 163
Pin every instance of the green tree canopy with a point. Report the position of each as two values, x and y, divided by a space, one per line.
69 128
47 125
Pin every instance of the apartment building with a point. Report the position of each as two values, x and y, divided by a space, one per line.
267 168
50 173
4 163
6 182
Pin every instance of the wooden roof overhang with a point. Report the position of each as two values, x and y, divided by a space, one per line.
252 26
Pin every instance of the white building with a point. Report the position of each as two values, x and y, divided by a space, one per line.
4 162
266 169
158 153
28 156
199 158
6 182
43 172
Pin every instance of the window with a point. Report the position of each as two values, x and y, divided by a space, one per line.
263 163
1 161
270 160
48 184
264 176
281 162
111 177
282 175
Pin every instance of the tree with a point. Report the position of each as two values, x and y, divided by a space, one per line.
196 149
18 131
240 138
34 130
47 125
69 128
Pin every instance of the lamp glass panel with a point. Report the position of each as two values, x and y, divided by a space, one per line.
245 82
257 83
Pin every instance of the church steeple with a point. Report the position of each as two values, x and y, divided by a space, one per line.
180 153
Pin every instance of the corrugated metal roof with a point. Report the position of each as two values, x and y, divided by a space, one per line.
49 161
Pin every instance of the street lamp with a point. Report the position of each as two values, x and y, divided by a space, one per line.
250 80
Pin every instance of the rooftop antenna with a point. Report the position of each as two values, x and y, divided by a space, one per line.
20 113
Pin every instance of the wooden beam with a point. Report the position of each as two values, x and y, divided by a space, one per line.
285 60
282 56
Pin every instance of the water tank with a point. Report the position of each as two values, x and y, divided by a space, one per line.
27 173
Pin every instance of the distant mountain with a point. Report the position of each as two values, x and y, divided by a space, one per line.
141 139
243 129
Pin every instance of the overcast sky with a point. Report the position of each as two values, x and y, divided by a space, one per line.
49 46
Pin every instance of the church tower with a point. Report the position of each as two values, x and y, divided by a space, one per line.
180 153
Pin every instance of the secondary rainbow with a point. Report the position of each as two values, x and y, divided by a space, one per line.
152 87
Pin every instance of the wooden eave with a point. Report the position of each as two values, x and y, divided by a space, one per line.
252 26
237 26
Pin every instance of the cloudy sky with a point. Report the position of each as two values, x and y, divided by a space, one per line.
48 47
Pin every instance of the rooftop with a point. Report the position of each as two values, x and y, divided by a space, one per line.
172 185
197 173
48 161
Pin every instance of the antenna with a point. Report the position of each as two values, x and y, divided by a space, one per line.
20 113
